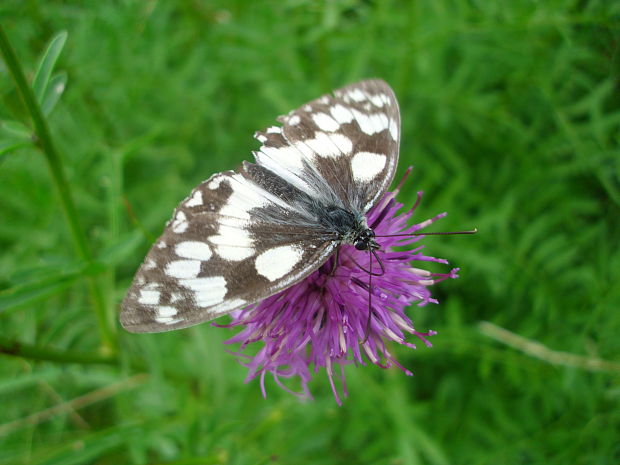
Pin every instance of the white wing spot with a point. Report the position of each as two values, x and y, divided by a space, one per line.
207 291
193 249
183 269
274 130
342 142
367 165
371 123
244 197
286 162
293 120
261 138
322 145
393 129
233 242
341 114
149 297
324 100
175 297
325 122
161 245
149 264
379 100
179 225
165 314
286 156
215 182
195 200
326 145
278 261
356 95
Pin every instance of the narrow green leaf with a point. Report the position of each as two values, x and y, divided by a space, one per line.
53 92
9 146
38 284
32 292
16 129
46 65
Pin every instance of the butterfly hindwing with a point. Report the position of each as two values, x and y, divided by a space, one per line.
353 137
242 236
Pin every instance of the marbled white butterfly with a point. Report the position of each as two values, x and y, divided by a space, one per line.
240 237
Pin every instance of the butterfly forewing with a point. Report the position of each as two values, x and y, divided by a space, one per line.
243 236
220 252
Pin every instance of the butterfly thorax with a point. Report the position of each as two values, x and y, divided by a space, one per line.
350 227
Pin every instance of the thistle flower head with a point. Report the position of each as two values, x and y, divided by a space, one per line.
323 321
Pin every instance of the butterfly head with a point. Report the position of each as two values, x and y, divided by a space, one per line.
365 240
351 227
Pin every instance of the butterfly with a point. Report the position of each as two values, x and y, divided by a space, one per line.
244 235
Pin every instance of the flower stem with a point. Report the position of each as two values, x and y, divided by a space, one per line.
44 141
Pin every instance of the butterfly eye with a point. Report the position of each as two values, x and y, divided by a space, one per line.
360 244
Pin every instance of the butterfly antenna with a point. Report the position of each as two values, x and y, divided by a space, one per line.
370 270
374 253
441 233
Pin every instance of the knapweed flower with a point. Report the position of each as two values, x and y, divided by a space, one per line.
323 321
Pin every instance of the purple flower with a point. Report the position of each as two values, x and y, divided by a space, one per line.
322 321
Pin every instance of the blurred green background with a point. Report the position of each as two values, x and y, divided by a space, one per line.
510 116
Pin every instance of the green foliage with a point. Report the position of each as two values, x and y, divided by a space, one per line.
43 83
511 118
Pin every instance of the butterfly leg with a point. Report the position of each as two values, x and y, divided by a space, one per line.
336 257
370 275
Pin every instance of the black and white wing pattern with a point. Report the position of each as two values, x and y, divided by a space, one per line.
242 236
351 138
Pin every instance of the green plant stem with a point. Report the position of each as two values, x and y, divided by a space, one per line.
37 353
541 352
30 351
44 141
